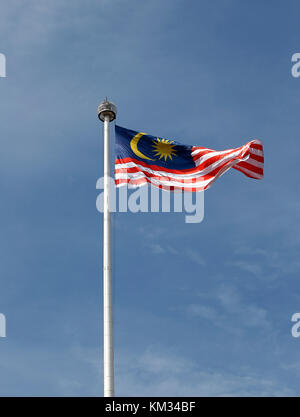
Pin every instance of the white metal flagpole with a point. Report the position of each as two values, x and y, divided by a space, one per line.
107 113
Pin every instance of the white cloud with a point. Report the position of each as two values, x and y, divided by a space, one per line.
229 310
156 248
266 264
252 267
248 314
153 240
195 256
203 311
156 373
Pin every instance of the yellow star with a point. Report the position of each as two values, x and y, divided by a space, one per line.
164 148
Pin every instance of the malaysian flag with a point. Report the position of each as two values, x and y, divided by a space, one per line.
142 159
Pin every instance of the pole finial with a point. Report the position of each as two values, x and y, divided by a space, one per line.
107 108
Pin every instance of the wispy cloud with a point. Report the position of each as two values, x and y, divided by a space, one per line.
229 310
203 311
195 256
266 264
160 373
157 239
253 268
156 248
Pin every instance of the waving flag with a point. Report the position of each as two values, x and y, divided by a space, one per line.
142 159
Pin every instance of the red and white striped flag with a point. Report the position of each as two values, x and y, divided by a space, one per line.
142 159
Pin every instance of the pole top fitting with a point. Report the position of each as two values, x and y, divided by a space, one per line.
107 108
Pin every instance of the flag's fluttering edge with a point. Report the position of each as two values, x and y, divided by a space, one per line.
142 159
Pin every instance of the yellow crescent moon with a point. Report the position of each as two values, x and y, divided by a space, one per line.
133 145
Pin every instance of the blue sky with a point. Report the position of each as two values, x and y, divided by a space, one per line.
200 309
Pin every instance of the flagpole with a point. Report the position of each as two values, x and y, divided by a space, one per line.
107 113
